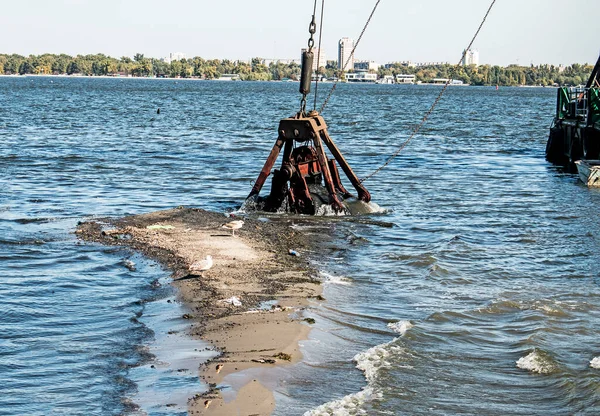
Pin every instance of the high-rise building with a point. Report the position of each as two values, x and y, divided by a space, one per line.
175 56
319 59
471 57
345 47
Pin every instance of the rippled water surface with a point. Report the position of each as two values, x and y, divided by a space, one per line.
476 293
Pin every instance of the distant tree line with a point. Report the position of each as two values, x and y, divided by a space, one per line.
511 75
140 66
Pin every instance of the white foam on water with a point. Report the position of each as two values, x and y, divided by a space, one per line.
352 207
249 205
551 310
595 363
327 210
537 362
400 327
335 280
346 406
370 362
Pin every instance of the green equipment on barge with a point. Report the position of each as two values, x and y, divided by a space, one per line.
575 131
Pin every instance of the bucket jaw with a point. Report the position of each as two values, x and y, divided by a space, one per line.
304 168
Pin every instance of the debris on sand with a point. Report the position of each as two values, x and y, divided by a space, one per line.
234 300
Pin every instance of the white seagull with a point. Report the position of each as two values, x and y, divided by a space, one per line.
233 225
201 266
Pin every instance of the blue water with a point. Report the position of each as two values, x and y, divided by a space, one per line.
492 257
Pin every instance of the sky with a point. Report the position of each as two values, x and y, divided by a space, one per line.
519 32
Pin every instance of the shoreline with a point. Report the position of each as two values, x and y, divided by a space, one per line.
256 268
272 80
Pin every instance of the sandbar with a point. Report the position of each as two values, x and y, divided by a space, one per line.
254 267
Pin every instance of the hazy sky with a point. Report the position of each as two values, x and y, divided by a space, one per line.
517 31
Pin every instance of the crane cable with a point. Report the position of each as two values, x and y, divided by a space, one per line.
350 56
319 52
435 103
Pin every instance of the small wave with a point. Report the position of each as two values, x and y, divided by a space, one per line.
36 242
595 363
504 306
336 280
400 327
552 310
370 362
537 361
346 406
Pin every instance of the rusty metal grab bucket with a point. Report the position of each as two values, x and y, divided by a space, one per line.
305 166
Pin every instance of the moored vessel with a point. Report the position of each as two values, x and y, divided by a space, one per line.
575 131
589 171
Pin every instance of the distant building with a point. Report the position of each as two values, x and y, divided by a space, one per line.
229 77
401 63
321 58
361 77
445 80
471 57
405 79
387 79
345 47
366 66
175 56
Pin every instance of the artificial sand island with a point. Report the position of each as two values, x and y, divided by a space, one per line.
249 268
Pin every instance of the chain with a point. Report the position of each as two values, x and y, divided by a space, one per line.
312 28
349 57
303 104
435 103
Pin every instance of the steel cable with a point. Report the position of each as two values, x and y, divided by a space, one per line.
350 56
435 103
319 52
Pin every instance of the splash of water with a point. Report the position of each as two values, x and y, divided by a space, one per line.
537 361
335 280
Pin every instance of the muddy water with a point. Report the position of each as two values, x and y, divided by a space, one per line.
476 292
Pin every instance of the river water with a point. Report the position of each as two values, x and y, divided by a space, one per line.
475 292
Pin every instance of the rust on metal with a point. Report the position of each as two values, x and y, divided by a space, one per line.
304 167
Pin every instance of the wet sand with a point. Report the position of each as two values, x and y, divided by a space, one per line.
253 266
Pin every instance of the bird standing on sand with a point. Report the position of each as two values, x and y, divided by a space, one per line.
201 266
233 225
